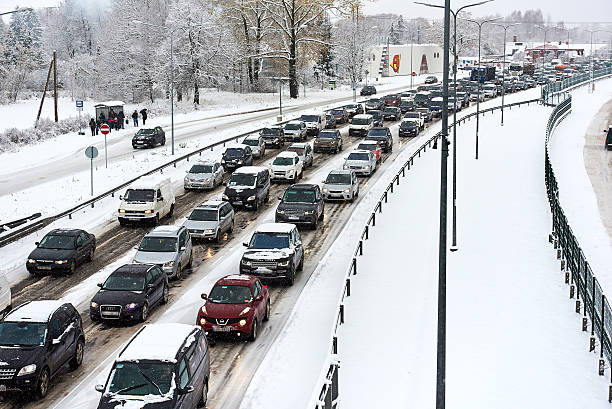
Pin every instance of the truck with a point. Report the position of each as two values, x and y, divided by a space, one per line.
482 74
528 68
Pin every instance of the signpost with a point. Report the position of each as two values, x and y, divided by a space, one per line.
79 108
332 84
91 152
105 129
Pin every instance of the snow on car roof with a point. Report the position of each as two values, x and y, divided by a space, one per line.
298 145
253 136
148 182
287 154
275 228
360 151
237 146
294 122
163 230
157 342
250 169
34 311
237 277
340 171
363 116
211 203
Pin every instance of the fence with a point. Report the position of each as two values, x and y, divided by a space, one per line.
555 88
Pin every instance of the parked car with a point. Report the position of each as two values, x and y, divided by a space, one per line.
236 305
341 115
248 186
361 124
275 251
392 113
257 144
330 121
147 199
168 247
315 123
367 90
204 175
362 162
210 220
149 138
408 127
354 109
407 106
301 203
374 104
287 166
392 100
38 339
328 141
417 117
340 185
162 366
274 136
304 152
236 156
129 293
382 136
373 147
431 79
61 250
295 131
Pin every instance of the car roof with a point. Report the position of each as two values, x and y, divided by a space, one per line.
287 154
361 151
158 342
378 128
437 99
135 268
303 186
210 203
237 279
164 231
34 311
341 171
207 162
363 116
237 146
253 136
368 142
250 169
65 232
298 145
294 122
275 228
149 182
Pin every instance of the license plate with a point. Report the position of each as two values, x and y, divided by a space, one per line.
222 329
238 202
44 267
2 388
293 218
110 314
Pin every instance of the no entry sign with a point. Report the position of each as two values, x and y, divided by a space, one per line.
105 129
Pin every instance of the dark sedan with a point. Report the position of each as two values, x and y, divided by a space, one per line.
382 136
61 250
374 104
148 138
341 115
392 113
409 128
431 79
368 90
330 121
407 106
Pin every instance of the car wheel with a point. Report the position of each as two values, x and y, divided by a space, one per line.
77 358
253 334
144 314
217 238
231 229
156 220
204 396
296 177
352 197
300 266
72 267
291 279
165 295
171 212
322 215
179 273
42 386
267 313
122 223
314 224
190 262
90 256
163 141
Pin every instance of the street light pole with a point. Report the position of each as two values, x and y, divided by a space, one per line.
505 27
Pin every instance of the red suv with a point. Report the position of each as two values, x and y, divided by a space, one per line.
237 305
392 100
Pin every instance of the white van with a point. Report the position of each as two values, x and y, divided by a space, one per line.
147 199
5 296
315 123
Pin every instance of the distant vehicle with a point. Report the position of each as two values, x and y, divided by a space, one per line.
374 104
61 250
341 115
330 121
315 123
422 88
149 138
129 293
435 106
295 131
431 79
237 305
422 99
409 127
367 90
210 220
257 144
383 136
273 136
362 162
304 152
373 147
425 113
329 140
287 166
392 113
340 185
237 156
489 90
248 186
168 247
406 106
204 175
361 124
377 117
528 68
482 74
516 68
147 199
393 100
464 97
417 117
354 109
301 204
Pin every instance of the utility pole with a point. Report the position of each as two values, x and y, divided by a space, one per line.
505 27
55 84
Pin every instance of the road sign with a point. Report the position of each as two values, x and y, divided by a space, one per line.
332 82
91 152
104 129
79 103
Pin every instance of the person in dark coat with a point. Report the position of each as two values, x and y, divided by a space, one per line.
143 112
92 126
120 119
135 117
98 123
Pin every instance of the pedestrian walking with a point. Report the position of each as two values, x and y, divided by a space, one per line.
92 126
98 123
120 118
135 117
143 112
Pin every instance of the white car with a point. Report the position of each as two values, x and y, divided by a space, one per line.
287 166
304 151
204 175
257 144
416 116
361 162
361 124
340 185
295 131
489 90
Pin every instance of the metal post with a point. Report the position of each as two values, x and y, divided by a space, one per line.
91 172
172 87
454 233
478 99
55 84
280 96
411 67
503 78
105 153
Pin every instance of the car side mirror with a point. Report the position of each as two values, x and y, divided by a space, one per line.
99 285
186 390
135 247
100 388
204 296
37 243
259 297
298 243
183 248
160 199
120 197
56 341
280 198
245 244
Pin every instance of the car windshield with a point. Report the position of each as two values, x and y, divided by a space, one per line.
158 244
367 146
408 124
230 294
201 169
337 112
299 151
204 215
435 103
338 179
124 282
58 242
22 333
280 161
242 179
326 135
352 106
358 156
292 127
406 103
421 97
377 132
299 196
360 121
309 118
269 241
139 195
390 110
233 152
271 131
145 132
412 115
374 101
141 378
251 142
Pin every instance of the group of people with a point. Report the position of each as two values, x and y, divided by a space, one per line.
115 120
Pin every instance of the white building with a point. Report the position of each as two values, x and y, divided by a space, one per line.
393 60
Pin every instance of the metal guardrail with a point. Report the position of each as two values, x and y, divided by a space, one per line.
15 223
549 91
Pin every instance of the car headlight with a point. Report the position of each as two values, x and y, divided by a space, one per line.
121 210
204 310
242 323
247 309
209 231
346 190
187 180
207 180
345 167
325 190
225 197
247 262
148 211
61 261
367 167
251 198
202 321
93 304
31 260
308 212
169 263
240 161
279 211
283 263
222 160
131 306
27 370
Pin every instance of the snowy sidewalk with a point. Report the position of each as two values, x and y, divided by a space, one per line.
512 337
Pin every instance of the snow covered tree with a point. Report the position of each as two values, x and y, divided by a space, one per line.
352 38
394 37
325 61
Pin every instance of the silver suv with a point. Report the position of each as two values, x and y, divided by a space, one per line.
341 185
210 220
168 247
204 175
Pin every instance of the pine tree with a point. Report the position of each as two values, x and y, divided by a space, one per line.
394 36
325 61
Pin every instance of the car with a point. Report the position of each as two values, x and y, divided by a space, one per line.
38 339
426 113
328 141
61 250
431 79
608 139
377 117
248 186
422 88
476 96
204 175
464 98
340 185
287 166
315 123
374 104
330 121
361 124
236 156
392 113
373 147
417 117
408 127
407 106
367 90
129 293
162 366
354 109
301 204
148 199
422 99
520 85
273 136
453 104
168 247
392 100
435 107
149 138
295 131
489 90
274 252
257 144
383 136
210 220
304 152
236 305
362 162
341 115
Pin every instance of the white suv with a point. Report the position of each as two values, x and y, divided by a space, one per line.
361 124
287 166
361 162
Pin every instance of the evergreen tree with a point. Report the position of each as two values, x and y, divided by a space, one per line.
401 30
394 35
325 62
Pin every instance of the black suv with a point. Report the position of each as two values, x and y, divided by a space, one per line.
302 203
61 250
392 113
409 128
273 137
383 136
368 90
148 138
38 338
248 186
328 140
237 156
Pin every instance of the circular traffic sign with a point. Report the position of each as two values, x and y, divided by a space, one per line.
105 129
91 152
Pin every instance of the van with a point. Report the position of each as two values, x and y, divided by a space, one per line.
162 366
315 123
361 124
147 199
5 296
248 186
